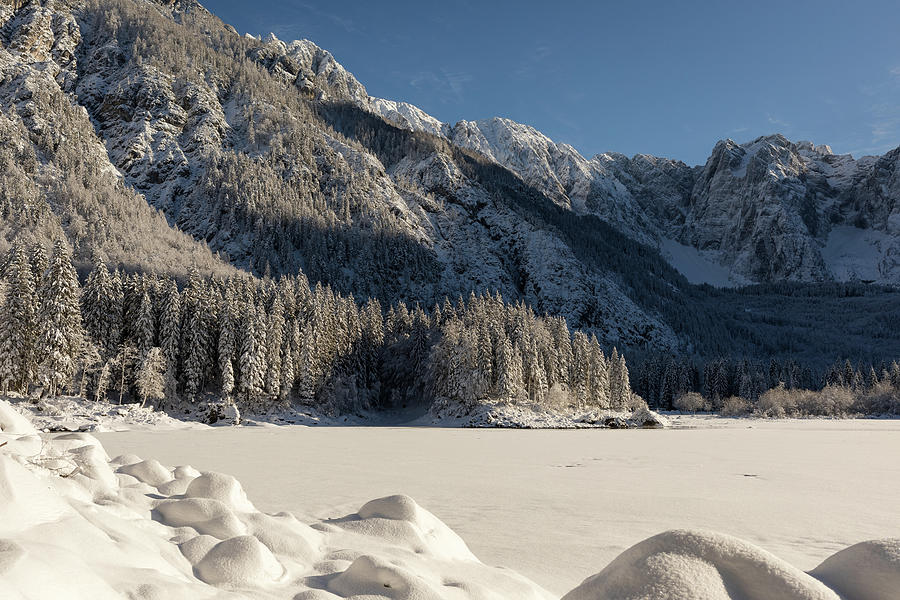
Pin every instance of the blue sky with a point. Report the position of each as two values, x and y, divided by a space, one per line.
664 78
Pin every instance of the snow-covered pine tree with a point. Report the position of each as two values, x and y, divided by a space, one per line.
95 304
599 387
562 345
305 369
373 340
18 325
619 388
150 378
115 315
226 343
533 373
39 262
145 327
510 373
252 359
91 363
196 340
484 376
59 320
273 349
580 369
170 336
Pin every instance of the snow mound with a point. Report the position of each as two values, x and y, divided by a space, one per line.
240 560
12 422
865 571
400 508
205 515
75 524
223 488
701 566
399 519
370 576
148 471
648 419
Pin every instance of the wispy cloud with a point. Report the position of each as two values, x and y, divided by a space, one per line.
884 114
780 123
449 85
532 64
341 21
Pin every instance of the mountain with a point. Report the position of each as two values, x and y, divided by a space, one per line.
154 135
764 211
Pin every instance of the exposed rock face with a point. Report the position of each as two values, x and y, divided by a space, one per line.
764 209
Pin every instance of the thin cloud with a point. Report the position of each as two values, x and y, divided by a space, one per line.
532 65
449 85
342 22
778 122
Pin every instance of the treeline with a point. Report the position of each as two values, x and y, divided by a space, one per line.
264 344
773 388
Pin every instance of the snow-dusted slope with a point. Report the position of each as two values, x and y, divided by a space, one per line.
242 159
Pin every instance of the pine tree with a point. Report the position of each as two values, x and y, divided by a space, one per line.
96 298
599 386
619 388
305 370
510 373
580 369
18 325
145 327
39 262
226 344
150 378
170 322
196 340
115 315
252 363
273 349
59 320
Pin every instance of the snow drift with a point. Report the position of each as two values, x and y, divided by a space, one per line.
75 524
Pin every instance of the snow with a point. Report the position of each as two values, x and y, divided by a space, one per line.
696 266
75 524
559 506
71 413
868 570
856 254
699 565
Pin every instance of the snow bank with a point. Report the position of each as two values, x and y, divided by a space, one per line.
75 524
71 413
526 416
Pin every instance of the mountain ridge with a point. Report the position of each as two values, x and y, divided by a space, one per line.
269 157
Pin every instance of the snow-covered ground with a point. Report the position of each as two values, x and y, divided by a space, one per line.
696 266
558 506
858 254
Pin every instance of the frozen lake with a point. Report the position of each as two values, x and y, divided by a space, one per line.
557 506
